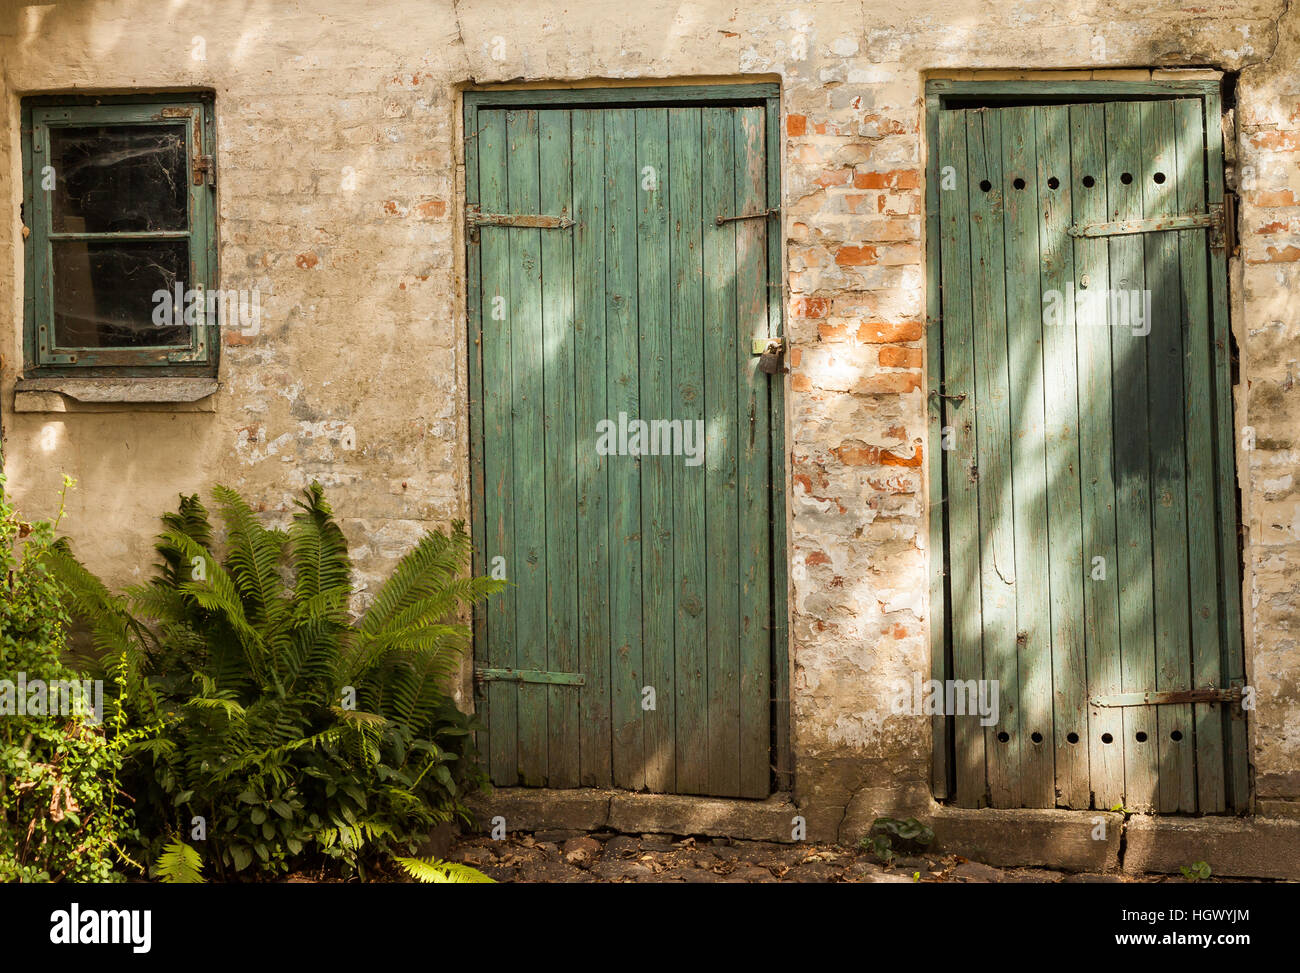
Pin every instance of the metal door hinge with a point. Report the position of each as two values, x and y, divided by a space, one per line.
205 170
1213 219
1170 697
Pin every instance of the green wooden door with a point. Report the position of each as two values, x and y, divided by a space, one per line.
622 444
1090 547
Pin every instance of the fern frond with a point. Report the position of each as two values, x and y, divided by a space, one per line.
179 863
442 872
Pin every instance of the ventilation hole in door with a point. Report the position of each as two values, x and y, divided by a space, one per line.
1176 735
1159 177
1089 182
1053 183
1036 737
1141 737
1126 178
1072 737
1107 738
1019 183
985 185
1004 736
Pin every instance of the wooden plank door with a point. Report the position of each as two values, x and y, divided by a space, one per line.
1084 506
620 272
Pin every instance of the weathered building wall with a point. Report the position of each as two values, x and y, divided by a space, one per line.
339 173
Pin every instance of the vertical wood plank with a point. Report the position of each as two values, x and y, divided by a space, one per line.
498 457
1159 178
782 660
753 460
1132 458
721 523
528 567
654 293
936 543
622 183
1234 664
1189 144
594 731
996 515
959 412
478 515
687 303
560 452
1028 459
1066 574
1101 625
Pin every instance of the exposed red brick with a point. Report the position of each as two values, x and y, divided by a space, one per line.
796 124
800 383
893 179
837 177
1274 227
892 356
817 557
810 307
889 383
855 256
832 332
306 261
1282 197
1285 255
1276 141
857 455
430 209
890 458
888 333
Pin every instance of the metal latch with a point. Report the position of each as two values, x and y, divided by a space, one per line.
771 351
535 221
761 215
205 170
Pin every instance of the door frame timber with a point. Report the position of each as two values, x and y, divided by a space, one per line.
940 94
767 95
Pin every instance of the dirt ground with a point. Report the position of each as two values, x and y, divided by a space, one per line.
603 856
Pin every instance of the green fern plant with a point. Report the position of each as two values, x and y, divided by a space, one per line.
287 727
434 870
179 864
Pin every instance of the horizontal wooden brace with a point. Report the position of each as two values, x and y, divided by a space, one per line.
531 675
1157 224
1169 697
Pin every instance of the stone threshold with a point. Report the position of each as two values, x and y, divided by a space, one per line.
1074 841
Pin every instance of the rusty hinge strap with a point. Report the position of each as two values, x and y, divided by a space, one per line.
1169 697
1155 224
761 215
536 221
530 675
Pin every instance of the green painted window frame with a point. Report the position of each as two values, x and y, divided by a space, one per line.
940 94
40 114
767 94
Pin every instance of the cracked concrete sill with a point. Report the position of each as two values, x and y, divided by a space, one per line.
196 394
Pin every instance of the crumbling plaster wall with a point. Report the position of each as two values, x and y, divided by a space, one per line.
339 199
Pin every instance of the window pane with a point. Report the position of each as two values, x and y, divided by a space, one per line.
119 178
104 292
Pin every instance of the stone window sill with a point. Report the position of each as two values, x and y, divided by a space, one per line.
191 394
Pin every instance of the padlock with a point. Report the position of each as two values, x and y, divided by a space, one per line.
770 361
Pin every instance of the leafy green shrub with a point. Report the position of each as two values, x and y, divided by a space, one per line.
60 814
889 836
284 729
